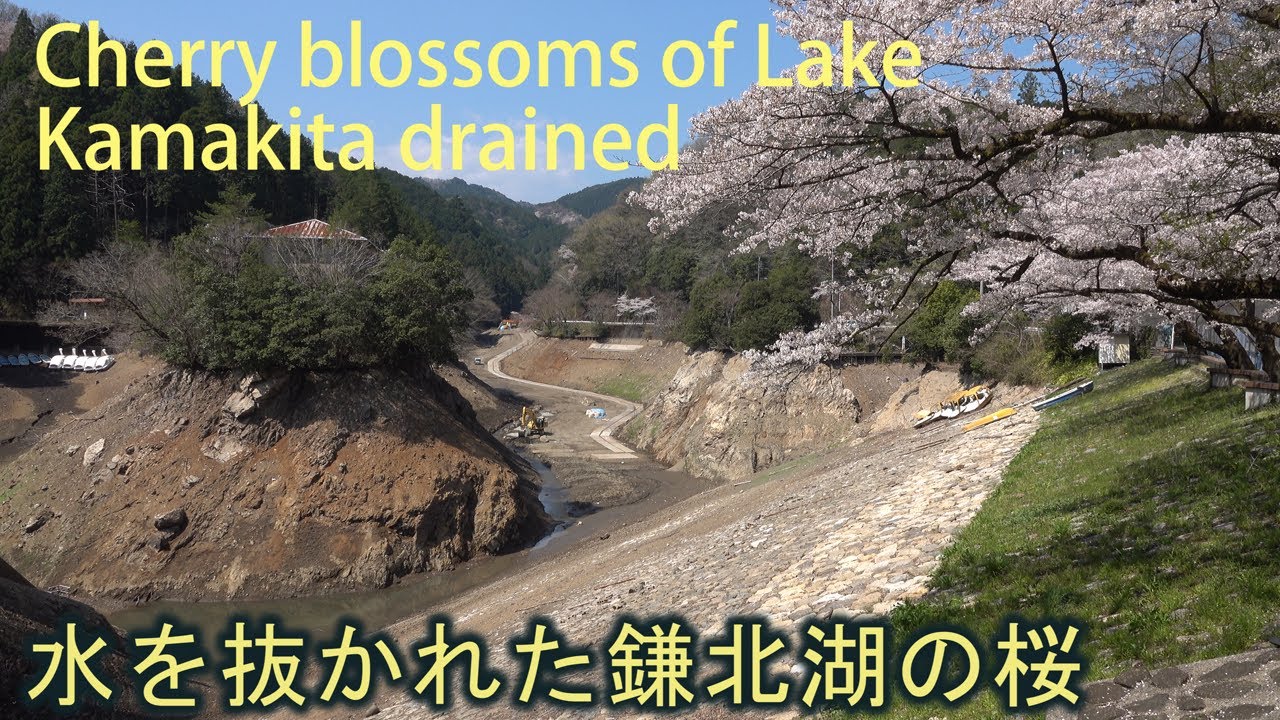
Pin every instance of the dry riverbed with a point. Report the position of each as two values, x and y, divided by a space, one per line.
852 529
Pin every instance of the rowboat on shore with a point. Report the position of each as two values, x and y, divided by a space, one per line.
1063 395
959 403
1063 387
924 417
976 401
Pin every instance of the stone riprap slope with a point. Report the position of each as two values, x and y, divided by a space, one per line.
1240 687
853 530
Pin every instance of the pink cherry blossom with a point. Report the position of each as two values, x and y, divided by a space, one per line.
1143 185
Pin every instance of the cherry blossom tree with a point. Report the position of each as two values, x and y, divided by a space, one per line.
636 308
1118 159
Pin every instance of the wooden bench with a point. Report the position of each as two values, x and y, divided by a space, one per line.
1259 394
1225 377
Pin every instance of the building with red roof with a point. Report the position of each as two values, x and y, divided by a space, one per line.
312 230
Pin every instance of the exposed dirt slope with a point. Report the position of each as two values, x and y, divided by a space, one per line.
27 613
925 391
494 408
189 485
714 423
33 399
636 376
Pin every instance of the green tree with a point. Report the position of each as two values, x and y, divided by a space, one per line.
1061 334
731 309
421 301
713 306
781 302
940 330
1029 90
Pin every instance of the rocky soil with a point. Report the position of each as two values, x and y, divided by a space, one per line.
711 421
850 531
25 613
493 408
196 486
33 399
1241 687
715 421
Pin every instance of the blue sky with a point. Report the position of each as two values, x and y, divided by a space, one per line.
653 25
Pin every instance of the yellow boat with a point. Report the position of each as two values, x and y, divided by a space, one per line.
996 416
960 395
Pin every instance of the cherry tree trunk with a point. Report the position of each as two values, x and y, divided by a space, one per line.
1233 352
1270 357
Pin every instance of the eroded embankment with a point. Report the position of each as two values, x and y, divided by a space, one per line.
715 420
197 486
26 613
704 416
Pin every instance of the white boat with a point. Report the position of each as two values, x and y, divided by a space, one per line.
81 363
947 413
100 362
977 402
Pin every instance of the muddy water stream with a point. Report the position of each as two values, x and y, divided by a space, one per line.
419 594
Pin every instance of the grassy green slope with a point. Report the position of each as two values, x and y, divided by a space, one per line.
1149 509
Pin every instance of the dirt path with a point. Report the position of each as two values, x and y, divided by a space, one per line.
603 434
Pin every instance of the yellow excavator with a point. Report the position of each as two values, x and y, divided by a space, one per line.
531 424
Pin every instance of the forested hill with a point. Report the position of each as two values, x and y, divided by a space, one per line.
535 235
49 217
535 231
594 200
570 209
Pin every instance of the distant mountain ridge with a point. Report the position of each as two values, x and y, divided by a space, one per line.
591 201
570 210
522 236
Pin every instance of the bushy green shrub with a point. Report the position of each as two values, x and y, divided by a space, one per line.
1013 356
1022 355
1062 332
227 298
731 311
940 331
